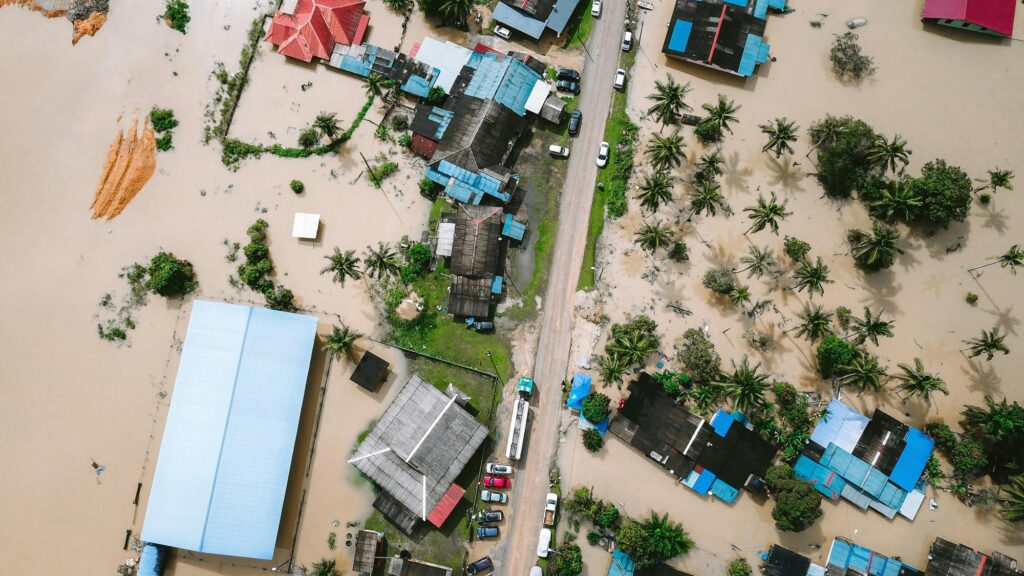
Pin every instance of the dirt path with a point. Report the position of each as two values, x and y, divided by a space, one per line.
519 552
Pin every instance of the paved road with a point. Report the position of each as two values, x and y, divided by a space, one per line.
602 56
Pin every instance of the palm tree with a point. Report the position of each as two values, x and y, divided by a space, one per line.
1010 259
669 101
1013 501
864 373
665 152
665 538
455 11
706 199
816 323
611 368
990 342
780 133
655 191
722 113
341 341
759 261
650 237
382 261
826 132
870 328
632 348
343 265
886 154
709 167
327 124
739 295
1000 179
811 277
747 388
766 214
875 251
914 381
375 84
899 200
325 567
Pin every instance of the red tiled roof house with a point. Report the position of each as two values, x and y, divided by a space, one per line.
305 29
988 16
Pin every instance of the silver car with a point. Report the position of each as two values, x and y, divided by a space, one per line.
602 155
498 469
497 497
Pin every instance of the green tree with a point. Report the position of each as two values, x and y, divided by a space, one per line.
811 277
592 440
1013 500
669 99
609 517
595 407
766 214
863 373
325 567
897 200
746 387
739 295
796 249
611 368
327 124
886 154
665 538
162 119
176 15
915 381
436 96
381 261
651 237
1010 259
568 561
815 322
665 152
375 85
679 252
697 353
721 114
456 11
342 341
871 327
706 199
780 132
1000 427
721 280
170 276
759 261
945 193
708 168
279 298
632 538
990 342
797 503
833 353
848 60
999 179
655 191
342 265
967 458
875 251
309 138
632 347
739 567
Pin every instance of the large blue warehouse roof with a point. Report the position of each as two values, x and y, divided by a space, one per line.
227 447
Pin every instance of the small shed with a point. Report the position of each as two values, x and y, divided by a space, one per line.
445 238
306 226
371 372
470 297
369 547
987 16
553 110
513 230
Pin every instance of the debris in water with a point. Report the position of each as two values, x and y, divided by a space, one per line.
856 23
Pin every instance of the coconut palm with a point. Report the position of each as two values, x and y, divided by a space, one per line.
375 84
815 322
826 132
811 277
665 538
780 133
709 167
706 199
632 348
1013 499
870 328
875 251
669 101
650 237
886 154
665 152
863 373
1000 179
721 114
899 200
747 388
327 124
739 295
655 191
990 342
325 568
766 214
915 381
382 261
1010 259
611 368
341 341
343 265
455 11
759 261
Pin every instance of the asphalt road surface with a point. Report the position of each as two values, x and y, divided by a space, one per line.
527 505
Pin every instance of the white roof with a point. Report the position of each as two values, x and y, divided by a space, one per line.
445 238
538 95
911 504
288 7
447 57
306 226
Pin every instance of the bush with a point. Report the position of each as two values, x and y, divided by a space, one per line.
796 248
382 172
399 122
945 439
848 61
309 138
593 538
843 316
162 119
176 15
673 382
169 276
164 143
843 144
834 352
428 188
279 298
968 457
945 193
436 96
382 133
297 186
721 280
616 203
592 440
679 252
595 407
698 354
568 561
739 567
984 198
608 517
708 132
257 231
405 140
971 298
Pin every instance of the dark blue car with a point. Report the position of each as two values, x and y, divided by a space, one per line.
486 532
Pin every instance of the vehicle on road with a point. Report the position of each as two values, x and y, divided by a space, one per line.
558 151
620 79
550 507
497 497
568 74
627 41
480 565
567 86
498 469
497 482
544 542
575 120
502 32
536 571
602 155
595 9
487 532
486 516
520 415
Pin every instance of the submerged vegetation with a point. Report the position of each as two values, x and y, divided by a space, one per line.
176 15
256 270
164 123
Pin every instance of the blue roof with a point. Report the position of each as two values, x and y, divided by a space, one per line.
721 422
723 491
824 480
509 16
760 8
558 19
842 426
512 229
507 81
227 446
418 86
580 389
740 3
680 35
845 554
496 284
152 560
622 563
466 187
912 461
443 118
702 483
752 55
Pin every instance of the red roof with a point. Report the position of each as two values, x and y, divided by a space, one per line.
483 49
445 506
996 15
423 146
316 26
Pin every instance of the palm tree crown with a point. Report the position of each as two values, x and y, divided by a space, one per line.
811 277
780 133
722 113
1000 179
374 85
746 387
1010 259
611 368
343 265
870 328
1013 499
990 342
669 101
899 200
766 214
650 237
382 261
915 381
341 341
709 167
665 152
759 261
666 538
886 154
327 124
655 191
816 322
875 251
864 373
706 199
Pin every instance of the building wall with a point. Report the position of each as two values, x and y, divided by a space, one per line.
964 25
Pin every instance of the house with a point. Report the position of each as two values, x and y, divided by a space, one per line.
948 559
414 453
726 35
371 372
846 557
782 561
447 57
533 17
987 16
875 463
410 75
370 547
475 263
307 29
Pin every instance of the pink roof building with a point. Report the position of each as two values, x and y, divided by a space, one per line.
305 29
989 16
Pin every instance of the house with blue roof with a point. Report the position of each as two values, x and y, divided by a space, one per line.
533 17
410 75
845 557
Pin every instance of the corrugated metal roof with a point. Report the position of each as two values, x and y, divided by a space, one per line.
445 505
505 14
227 447
445 238
560 15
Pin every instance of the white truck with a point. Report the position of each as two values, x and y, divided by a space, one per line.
520 415
550 506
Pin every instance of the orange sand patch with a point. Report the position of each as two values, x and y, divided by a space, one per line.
33 6
88 27
131 162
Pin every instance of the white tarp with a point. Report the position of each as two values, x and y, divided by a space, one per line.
538 95
445 238
306 226
447 57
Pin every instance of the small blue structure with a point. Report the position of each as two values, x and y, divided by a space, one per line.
913 460
699 480
723 491
513 230
152 560
497 284
622 564
845 555
465 186
580 389
823 479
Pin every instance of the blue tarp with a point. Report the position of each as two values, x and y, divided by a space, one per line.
680 35
844 555
843 427
622 564
585 424
723 491
227 446
760 8
823 479
751 55
496 284
152 560
580 389
912 461
700 482
721 422
509 16
512 229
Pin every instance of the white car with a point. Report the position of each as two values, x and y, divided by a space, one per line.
536 571
620 79
627 41
502 32
602 155
498 469
544 543
558 151
490 496
595 9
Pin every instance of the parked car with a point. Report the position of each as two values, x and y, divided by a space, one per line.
544 542
489 496
486 516
498 469
502 32
558 151
568 86
627 41
620 79
602 155
487 532
480 326
595 9
480 565
536 571
568 74
575 120
497 482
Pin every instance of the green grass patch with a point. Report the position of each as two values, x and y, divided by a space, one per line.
580 26
444 546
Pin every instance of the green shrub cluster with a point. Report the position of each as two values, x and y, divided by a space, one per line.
673 382
417 262
633 341
833 353
380 173
170 276
721 280
164 123
176 15
788 421
604 515
297 186
616 203
697 353
797 503
596 407
221 109
256 269
622 169
843 145
592 440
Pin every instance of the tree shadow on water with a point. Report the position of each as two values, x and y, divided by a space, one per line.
982 377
